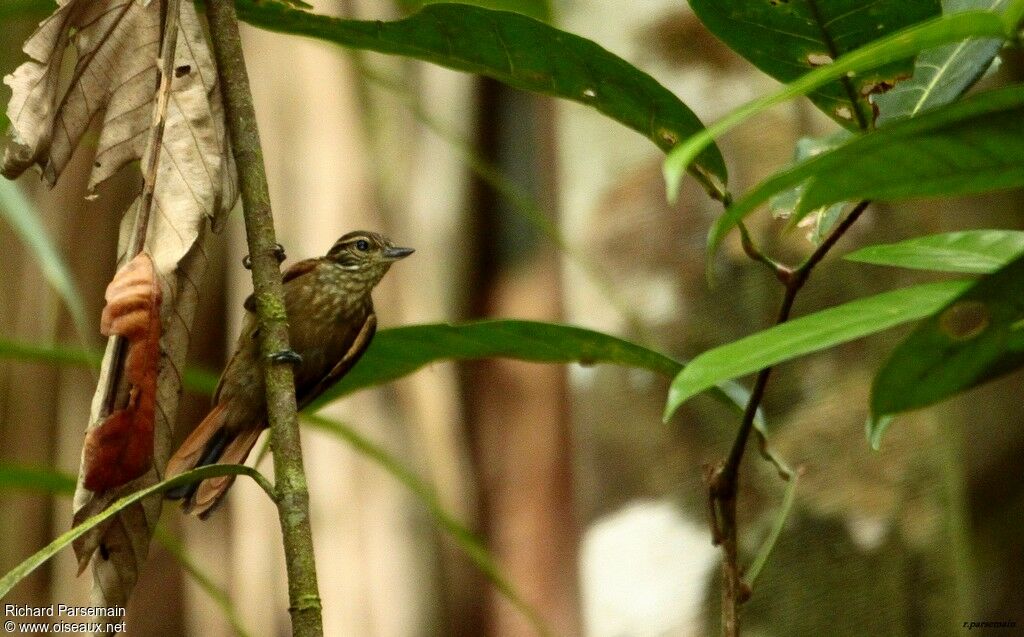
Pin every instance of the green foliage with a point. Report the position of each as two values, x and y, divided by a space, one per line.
786 203
536 9
942 74
36 479
968 252
930 34
977 336
807 334
788 39
972 146
518 51
400 351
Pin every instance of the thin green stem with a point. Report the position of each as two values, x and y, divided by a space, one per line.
292 492
723 486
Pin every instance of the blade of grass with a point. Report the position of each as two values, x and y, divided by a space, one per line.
24 219
219 596
463 536
19 572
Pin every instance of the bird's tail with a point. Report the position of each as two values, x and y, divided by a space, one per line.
210 443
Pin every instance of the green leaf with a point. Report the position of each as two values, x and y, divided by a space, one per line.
26 9
786 203
972 146
875 428
970 251
765 552
935 32
468 541
195 380
807 334
19 572
977 336
23 217
788 39
18 477
536 9
218 595
398 352
518 51
942 74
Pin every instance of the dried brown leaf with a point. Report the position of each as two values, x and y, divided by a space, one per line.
111 48
120 449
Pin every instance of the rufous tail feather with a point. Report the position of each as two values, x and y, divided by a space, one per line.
210 443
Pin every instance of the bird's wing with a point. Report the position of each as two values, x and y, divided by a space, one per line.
294 271
307 394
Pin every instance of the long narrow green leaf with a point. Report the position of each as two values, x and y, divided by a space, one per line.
19 572
781 517
518 51
56 483
976 336
972 146
37 479
219 596
969 252
511 48
536 9
400 351
942 74
807 334
24 218
470 544
936 32
195 380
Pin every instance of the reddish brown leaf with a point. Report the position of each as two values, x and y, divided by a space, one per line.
121 448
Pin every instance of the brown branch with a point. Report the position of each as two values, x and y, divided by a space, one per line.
293 496
723 482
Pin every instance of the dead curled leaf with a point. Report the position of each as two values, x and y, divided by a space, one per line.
120 449
93 66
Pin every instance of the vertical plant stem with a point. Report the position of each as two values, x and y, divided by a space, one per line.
292 493
724 482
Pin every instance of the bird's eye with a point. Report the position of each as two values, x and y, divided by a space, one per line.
362 245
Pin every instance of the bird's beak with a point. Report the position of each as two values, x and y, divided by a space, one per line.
394 254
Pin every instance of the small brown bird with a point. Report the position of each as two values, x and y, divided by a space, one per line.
331 322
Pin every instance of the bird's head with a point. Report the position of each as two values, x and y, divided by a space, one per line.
368 255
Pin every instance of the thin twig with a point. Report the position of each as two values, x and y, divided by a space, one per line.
137 240
723 482
290 478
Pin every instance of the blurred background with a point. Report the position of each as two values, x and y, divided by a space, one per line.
523 207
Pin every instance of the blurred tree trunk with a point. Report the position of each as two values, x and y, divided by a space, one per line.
518 418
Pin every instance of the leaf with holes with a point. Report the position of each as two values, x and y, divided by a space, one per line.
907 42
969 251
976 337
786 39
942 74
785 203
972 146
